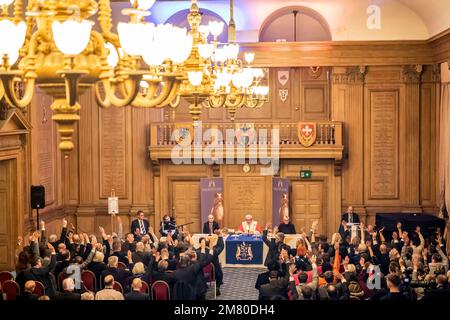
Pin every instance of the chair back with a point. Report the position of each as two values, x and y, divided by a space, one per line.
160 290
39 290
11 290
121 265
5 276
145 288
61 277
118 287
209 273
89 280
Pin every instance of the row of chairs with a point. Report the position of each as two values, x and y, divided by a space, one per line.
160 290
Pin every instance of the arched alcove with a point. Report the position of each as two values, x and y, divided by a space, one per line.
295 23
180 19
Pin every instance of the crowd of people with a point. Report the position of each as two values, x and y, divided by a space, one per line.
404 265
130 260
362 267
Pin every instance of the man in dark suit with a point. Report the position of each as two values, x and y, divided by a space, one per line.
347 217
263 278
120 275
277 287
27 293
210 226
135 293
275 245
140 226
68 291
40 273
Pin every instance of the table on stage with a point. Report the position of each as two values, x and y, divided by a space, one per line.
248 244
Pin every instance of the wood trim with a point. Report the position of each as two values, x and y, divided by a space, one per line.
351 53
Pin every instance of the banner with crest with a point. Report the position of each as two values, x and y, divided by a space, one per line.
211 199
307 133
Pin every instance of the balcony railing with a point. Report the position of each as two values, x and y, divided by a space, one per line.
328 142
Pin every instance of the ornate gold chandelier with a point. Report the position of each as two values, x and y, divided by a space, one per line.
144 65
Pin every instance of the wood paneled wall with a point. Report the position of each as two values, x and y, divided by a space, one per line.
388 107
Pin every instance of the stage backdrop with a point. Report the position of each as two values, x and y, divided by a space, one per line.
211 198
280 199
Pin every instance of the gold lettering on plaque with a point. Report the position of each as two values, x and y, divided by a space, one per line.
384 144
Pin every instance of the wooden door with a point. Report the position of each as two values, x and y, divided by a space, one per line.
8 200
307 204
185 200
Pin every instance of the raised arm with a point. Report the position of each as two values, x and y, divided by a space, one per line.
362 235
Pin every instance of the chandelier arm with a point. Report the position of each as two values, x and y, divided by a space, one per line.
2 91
151 101
171 96
105 22
110 93
175 103
10 92
216 102
238 103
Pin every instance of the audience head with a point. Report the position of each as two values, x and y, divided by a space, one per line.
137 284
163 265
328 276
113 261
87 296
117 245
393 282
273 275
140 247
108 281
130 237
302 277
30 285
139 268
68 285
98 257
210 218
52 238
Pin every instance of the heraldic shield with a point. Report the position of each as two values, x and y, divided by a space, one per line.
307 133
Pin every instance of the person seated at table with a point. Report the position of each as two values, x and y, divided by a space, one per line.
210 226
286 226
249 226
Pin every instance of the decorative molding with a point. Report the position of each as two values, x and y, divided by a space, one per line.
352 75
216 170
338 168
412 73
156 168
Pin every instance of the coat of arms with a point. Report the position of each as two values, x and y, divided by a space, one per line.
244 252
245 134
182 136
307 133
283 93
283 77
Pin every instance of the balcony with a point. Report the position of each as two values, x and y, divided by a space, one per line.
165 136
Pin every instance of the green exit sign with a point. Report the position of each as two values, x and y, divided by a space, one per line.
305 174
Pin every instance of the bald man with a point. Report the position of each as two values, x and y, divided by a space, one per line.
109 293
27 293
249 226
135 293
210 226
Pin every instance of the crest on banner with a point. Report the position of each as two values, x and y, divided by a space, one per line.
307 133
